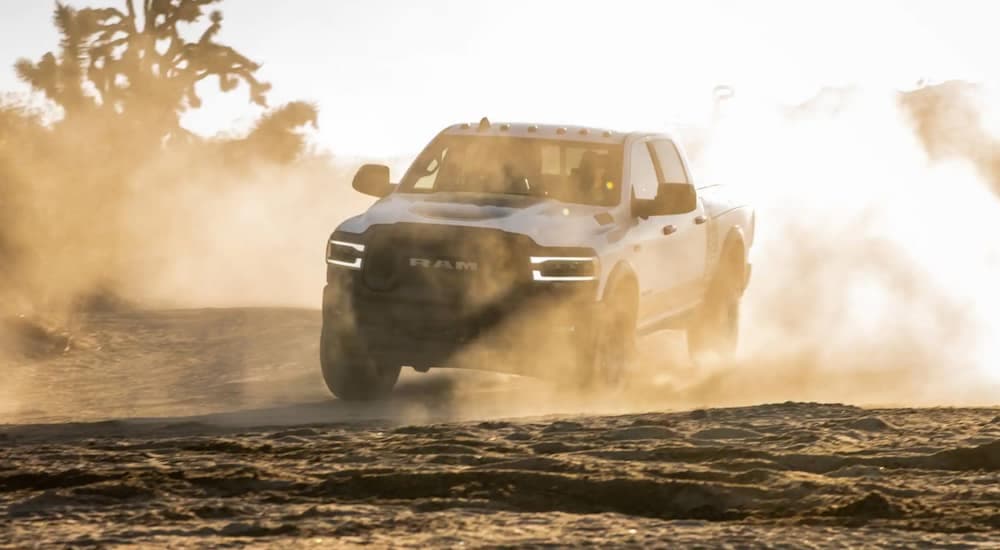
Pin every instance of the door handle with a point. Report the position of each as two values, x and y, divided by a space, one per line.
669 229
700 219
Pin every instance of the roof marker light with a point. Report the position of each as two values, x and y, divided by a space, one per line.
504 127
560 131
466 126
533 128
607 133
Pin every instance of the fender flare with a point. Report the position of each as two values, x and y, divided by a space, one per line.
734 238
734 241
621 273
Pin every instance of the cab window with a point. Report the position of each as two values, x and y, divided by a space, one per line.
430 172
671 168
563 170
642 172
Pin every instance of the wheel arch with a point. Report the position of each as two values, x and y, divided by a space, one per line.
621 274
735 241
733 254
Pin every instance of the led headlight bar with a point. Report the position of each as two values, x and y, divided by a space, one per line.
563 268
344 254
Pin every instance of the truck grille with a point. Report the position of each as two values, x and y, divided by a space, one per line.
457 267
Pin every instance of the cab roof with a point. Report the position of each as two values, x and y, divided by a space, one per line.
539 131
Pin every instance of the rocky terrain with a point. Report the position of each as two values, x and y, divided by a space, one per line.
212 427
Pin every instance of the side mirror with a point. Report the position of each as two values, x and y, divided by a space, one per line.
372 179
671 198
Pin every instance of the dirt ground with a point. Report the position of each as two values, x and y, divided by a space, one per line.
213 427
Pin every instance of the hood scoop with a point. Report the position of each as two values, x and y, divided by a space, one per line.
447 211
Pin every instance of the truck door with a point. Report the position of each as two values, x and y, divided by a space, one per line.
689 241
652 249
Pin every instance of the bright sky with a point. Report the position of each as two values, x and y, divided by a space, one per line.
388 74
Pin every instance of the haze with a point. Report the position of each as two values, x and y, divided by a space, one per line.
162 272
389 73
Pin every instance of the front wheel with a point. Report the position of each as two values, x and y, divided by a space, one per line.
349 372
611 355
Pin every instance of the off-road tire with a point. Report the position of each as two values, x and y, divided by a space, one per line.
715 330
349 372
611 356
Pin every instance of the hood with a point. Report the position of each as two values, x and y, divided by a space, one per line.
547 222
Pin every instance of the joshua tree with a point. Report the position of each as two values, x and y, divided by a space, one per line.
61 77
274 137
135 66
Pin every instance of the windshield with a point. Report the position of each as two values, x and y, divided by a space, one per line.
568 171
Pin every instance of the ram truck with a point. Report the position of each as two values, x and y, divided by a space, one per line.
533 249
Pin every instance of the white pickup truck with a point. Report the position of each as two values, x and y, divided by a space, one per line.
588 237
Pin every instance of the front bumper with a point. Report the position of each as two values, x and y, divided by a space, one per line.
431 333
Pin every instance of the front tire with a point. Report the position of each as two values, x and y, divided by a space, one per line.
611 355
349 372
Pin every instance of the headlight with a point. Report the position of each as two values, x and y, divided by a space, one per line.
344 253
563 268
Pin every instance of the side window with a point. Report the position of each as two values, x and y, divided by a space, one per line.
669 161
642 172
429 178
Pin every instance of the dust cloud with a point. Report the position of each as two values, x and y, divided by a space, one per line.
872 282
219 240
874 270
174 230
873 266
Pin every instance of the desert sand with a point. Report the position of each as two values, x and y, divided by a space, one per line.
213 427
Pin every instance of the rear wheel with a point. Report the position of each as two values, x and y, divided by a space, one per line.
715 331
349 372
